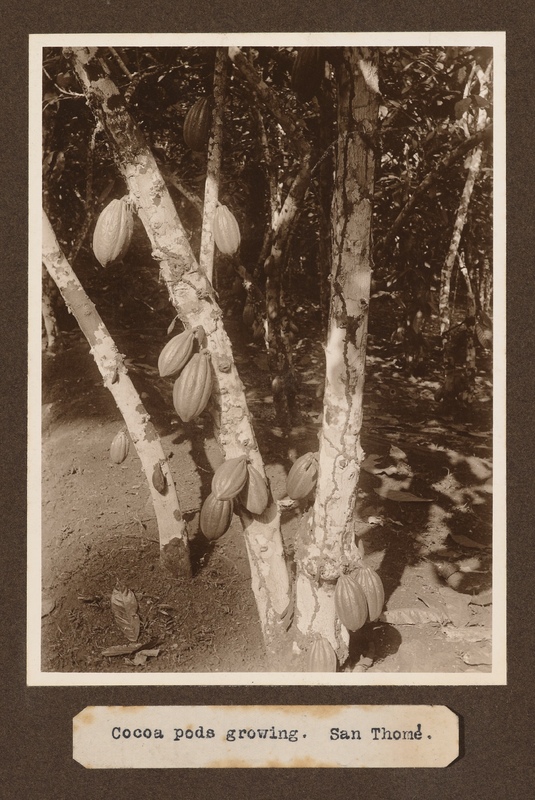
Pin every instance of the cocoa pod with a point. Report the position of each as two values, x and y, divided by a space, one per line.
321 657
113 232
350 603
197 124
158 479
372 586
229 478
216 516
308 72
119 447
302 477
193 387
176 354
226 231
255 494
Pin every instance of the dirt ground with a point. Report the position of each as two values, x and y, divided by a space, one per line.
98 526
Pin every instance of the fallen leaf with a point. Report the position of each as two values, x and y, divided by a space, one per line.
124 607
478 656
467 634
47 606
412 616
466 541
121 650
400 496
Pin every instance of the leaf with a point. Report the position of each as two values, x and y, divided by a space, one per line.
124 607
121 650
466 541
400 496
462 106
467 634
412 616
477 656
47 606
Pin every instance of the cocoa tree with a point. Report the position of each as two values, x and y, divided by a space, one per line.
327 545
194 301
171 525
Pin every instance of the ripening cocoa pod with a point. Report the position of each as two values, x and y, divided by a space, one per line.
113 232
302 477
308 72
255 494
198 123
350 603
216 516
226 231
372 586
321 657
193 387
119 447
229 478
176 354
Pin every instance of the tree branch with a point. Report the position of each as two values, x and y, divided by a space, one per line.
431 176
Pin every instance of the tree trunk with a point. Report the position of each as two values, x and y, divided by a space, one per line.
211 187
171 526
474 166
195 303
327 541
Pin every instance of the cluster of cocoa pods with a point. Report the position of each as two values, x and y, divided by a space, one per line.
358 597
236 480
192 371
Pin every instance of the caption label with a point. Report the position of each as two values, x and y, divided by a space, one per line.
130 737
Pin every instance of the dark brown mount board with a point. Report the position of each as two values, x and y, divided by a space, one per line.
496 745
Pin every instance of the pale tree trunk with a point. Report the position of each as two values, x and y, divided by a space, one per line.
171 526
327 539
474 166
193 298
211 187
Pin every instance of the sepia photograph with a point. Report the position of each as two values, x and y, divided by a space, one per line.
267 359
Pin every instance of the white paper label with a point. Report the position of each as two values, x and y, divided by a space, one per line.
130 737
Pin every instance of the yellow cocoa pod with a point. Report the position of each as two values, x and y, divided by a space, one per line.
113 232
119 447
226 231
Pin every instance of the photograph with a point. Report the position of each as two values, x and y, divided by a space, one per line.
267 359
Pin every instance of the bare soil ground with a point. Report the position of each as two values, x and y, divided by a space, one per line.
98 526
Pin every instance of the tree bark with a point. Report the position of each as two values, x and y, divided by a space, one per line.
474 166
171 526
327 543
211 187
194 300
